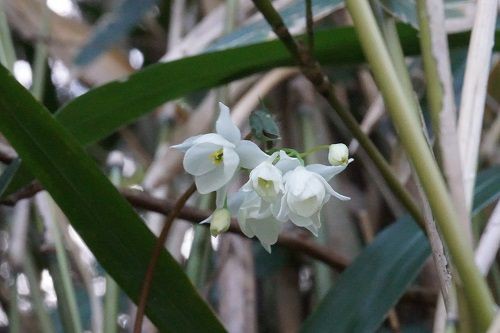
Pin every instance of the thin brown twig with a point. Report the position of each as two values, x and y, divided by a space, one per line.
293 241
148 278
310 26
313 72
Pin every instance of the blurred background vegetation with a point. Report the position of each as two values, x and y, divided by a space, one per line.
169 63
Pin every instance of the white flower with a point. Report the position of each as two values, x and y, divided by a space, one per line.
220 221
338 154
306 191
266 180
254 218
214 158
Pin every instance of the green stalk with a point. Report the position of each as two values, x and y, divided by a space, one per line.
7 50
14 324
433 81
40 61
403 113
63 271
111 305
111 299
312 70
36 295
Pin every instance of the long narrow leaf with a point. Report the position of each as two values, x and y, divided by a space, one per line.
107 223
101 111
369 287
112 28
373 283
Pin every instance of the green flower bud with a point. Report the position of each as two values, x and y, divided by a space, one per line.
338 154
221 220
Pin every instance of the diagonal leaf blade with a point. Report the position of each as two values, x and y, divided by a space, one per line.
108 224
113 27
101 111
371 285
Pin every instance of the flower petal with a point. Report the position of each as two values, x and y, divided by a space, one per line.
225 126
188 143
287 163
198 161
208 219
266 230
313 229
220 176
300 221
250 154
326 171
331 191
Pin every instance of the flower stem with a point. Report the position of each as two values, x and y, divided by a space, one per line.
314 149
148 278
7 51
312 70
403 112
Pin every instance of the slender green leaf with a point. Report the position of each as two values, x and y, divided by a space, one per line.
112 28
293 16
103 110
487 188
374 282
371 285
107 223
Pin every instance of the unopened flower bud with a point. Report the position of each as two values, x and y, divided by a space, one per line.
221 220
338 154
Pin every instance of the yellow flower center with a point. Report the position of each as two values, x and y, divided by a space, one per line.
263 183
217 156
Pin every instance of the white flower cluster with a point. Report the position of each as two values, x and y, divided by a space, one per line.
280 187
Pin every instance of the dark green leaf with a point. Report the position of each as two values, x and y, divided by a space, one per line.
103 110
112 28
263 126
487 188
373 283
293 17
109 226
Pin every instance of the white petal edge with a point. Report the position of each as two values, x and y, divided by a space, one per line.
186 144
326 171
250 154
331 191
225 126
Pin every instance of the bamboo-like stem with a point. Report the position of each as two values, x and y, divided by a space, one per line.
14 315
41 52
312 70
36 294
472 102
46 208
403 113
7 51
434 46
111 299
